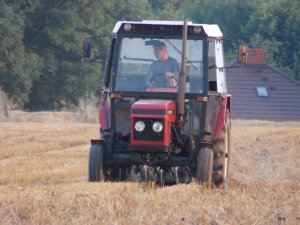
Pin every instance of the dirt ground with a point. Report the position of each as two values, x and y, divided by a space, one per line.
43 180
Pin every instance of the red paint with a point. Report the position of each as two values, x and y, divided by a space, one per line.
104 113
152 104
225 104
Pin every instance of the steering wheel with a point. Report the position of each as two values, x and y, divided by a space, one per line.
160 80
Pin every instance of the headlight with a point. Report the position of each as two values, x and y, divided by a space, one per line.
139 126
157 127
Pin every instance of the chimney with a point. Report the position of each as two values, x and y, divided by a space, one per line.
256 56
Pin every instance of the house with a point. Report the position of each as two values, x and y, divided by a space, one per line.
261 92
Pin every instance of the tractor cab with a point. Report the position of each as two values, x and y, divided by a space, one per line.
164 104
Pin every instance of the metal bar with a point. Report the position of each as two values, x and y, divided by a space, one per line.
182 78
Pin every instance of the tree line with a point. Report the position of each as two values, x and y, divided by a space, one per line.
41 66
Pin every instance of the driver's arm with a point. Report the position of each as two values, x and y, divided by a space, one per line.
174 73
149 75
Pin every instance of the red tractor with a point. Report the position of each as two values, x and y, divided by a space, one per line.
165 122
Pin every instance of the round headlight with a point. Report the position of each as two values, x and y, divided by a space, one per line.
139 126
157 127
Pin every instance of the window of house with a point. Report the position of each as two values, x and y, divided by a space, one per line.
262 91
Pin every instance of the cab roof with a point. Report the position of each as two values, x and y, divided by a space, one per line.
211 30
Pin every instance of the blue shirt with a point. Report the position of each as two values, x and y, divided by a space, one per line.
161 67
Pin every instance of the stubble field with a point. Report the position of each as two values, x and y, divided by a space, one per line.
43 180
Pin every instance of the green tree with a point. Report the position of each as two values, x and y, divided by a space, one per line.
230 15
271 24
170 9
18 66
130 10
56 32
277 23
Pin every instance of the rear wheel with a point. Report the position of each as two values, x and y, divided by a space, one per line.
221 150
95 167
205 166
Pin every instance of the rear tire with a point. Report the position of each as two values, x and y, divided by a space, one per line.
95 167
221 150
205 166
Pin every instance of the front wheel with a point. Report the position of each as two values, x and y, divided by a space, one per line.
95 167
221 150
205 166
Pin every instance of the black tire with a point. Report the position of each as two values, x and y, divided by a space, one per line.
95 167
118 173
221 150
204 166
125 173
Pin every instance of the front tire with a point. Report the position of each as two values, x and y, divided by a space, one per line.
221 150
205 166
95 166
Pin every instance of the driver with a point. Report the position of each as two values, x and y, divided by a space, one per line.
164 68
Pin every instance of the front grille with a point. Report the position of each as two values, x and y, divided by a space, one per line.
148 134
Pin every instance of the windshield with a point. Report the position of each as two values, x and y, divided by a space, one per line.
154 65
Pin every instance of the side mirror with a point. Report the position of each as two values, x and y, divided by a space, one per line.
242 53
93 55
87 49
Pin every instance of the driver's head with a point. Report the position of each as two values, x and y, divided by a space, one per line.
160 51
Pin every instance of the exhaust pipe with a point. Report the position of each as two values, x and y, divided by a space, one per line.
182 79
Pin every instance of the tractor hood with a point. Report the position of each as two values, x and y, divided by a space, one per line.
149 113
154 107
